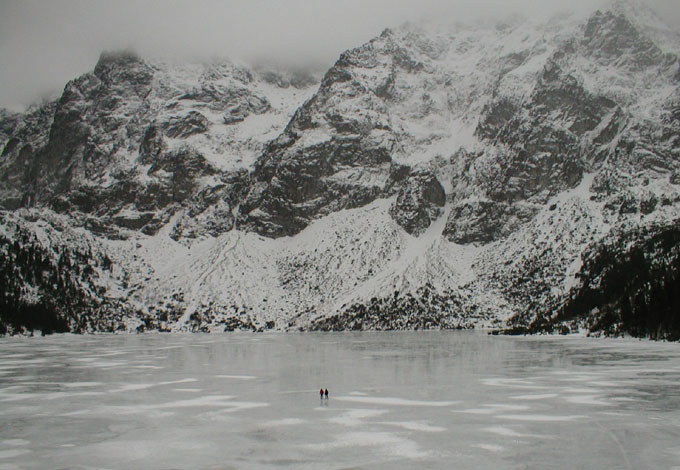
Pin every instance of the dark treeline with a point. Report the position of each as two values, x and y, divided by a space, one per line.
423 310
628 286
44 288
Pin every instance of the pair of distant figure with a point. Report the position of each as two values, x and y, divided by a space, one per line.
323 394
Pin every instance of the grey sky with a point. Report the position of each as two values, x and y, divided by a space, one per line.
45 43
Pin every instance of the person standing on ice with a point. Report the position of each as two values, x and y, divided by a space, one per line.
321 393
326 394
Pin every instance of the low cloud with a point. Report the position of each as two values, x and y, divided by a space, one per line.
43 44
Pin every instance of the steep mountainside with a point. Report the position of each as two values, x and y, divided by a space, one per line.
134 143
436 176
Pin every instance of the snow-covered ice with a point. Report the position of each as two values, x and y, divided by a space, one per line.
403 400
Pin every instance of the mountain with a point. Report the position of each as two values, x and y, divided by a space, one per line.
493 174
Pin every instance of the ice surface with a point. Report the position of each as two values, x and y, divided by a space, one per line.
394 401
407 400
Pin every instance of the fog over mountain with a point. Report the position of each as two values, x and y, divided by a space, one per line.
43 44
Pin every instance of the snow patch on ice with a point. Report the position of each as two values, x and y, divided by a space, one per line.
535 396
8 454
80 384
512 383
236 377
133 387
391 401
384 443
505 431
540 417
284 422
490 409
490 447
415 426
15 442
355 417
587 400
9 466
225 402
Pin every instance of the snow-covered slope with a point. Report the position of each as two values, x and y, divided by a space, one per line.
438 175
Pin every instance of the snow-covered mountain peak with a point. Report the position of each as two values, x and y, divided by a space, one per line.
638 12
646 21
445 175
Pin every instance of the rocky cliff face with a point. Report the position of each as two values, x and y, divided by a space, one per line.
419 202
133 143
435 176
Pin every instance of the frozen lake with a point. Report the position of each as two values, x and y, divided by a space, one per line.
437 400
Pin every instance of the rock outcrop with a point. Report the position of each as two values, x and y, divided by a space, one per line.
419 202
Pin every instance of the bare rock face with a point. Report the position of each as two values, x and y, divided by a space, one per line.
187 125
323 178
482 222
419 202
126 145
96 115
235 98
179 172
211 210
610 37
540 144
242 105
63 152
124 70
298 78
152 146
9 123
23 137
331 156
495 116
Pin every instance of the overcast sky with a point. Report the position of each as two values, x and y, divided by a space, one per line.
45 43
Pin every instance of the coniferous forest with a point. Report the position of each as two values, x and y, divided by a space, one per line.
628 285
48 289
